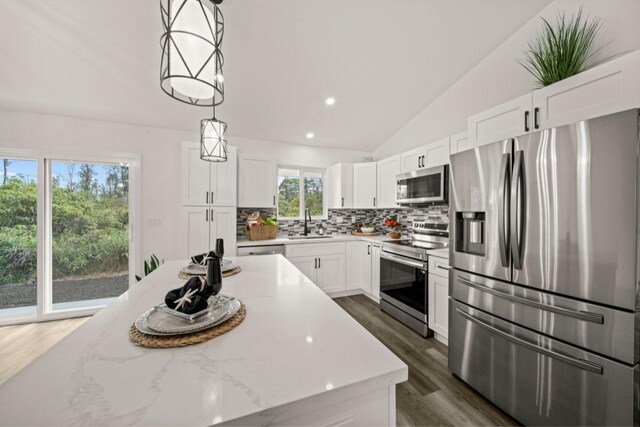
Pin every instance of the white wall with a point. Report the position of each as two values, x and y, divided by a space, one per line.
299 155
499 78
160 161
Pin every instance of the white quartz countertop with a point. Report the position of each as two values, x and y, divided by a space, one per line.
294 343
243 241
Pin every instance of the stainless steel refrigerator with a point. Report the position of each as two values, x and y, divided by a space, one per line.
544 315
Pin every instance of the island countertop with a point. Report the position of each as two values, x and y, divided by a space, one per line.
294 345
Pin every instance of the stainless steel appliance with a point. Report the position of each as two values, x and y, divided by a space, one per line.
261 250
404 277
423 186
544 297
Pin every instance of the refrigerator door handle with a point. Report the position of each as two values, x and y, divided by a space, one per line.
582 315
582 364
517 211
503 209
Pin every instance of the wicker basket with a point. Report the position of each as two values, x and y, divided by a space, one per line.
261 232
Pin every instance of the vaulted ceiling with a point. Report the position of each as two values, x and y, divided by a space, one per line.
382 60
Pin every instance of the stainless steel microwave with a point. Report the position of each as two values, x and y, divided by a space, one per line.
423 186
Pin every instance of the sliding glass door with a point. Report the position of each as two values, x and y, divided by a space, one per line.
90 228
65 234
18 237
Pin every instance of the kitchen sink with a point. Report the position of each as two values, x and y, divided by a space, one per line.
309 237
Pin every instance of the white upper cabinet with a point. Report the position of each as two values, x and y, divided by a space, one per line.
436 153
388 169
606 89
411 160
195 176
460 142
257 179
504 121
341 178
427 156
223 187
208 183
364 185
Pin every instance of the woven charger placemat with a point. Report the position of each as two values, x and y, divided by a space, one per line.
153 341
232 272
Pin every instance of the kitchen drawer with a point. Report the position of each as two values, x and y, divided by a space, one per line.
536 379
315 249
605 330
439 266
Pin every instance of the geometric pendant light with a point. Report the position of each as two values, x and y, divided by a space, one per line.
191 65
213 140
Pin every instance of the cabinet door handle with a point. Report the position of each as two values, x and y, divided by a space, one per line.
206 215
526 121
319 263
211 198
374 202
274 200
418 161
422 161
212 215
343 202
536 112
207 196
368 249
315 263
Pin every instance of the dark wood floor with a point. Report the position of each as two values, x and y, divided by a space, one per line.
432 396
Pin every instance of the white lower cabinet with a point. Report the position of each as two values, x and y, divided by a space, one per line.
438 305
322 263
196 233
331 273
307 265
359 266
338 267
375 270
203 225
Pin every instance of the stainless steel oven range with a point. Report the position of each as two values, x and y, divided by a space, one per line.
404 277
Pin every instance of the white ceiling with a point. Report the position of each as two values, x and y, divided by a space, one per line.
382 60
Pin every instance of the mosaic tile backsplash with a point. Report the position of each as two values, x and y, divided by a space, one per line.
340 221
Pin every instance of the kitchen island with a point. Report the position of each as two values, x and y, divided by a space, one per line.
297 359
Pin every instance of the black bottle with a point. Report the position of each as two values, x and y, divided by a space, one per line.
220 248
214 274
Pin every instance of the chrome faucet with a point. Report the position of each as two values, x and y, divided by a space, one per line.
307 214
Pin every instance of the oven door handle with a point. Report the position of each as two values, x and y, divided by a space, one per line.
405 261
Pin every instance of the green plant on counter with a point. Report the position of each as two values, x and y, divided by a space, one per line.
270 221
150 266
563 50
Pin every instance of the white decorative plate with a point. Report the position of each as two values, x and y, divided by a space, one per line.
157 322
197 269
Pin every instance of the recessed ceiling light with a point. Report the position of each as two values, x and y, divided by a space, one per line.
330 101
310 135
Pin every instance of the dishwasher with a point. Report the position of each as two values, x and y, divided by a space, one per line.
260 250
